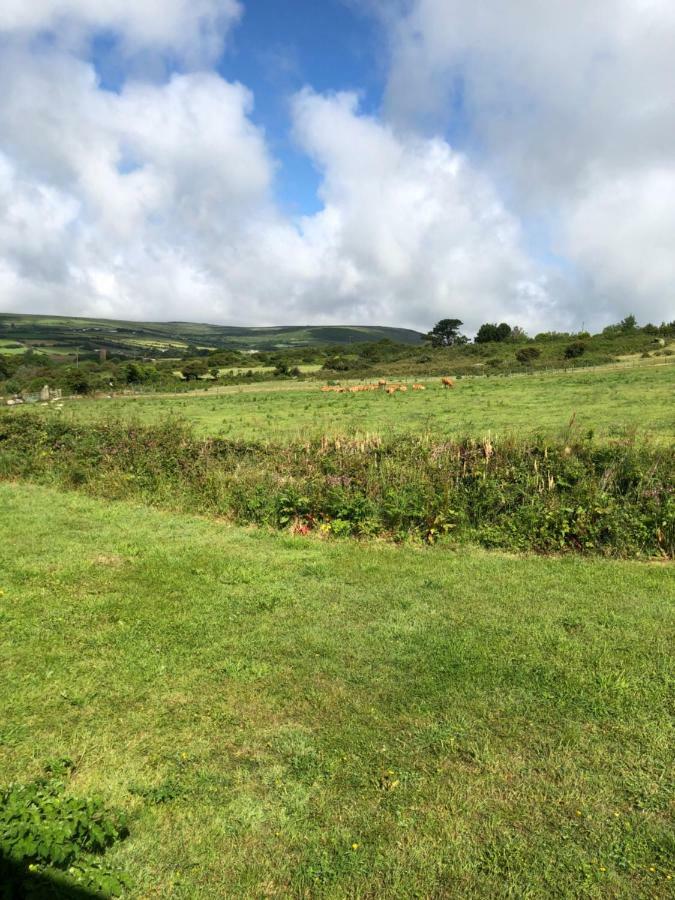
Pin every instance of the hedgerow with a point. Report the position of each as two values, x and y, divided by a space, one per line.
613 498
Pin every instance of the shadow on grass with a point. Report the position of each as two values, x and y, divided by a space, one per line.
17 882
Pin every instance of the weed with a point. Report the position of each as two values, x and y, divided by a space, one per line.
44 829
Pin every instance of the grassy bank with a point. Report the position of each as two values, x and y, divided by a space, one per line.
550 496
348 721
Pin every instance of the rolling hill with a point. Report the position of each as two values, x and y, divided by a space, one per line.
61 335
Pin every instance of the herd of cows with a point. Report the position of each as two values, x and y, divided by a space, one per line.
381 385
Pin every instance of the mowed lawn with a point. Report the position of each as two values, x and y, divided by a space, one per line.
340 719
606 402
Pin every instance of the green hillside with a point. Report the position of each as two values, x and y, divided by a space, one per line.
63 335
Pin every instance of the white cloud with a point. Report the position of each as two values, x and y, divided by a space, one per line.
192 29
409 230
622 232
156 202
572 107
117 201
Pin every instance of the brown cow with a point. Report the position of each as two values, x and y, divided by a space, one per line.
447 382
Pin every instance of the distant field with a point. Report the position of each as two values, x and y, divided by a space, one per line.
288 717
606 402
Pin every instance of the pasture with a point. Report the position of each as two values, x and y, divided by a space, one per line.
606 402
287 717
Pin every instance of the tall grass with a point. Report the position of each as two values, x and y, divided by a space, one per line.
612 498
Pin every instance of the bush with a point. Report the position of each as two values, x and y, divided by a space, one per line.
575 349
527 355
336 364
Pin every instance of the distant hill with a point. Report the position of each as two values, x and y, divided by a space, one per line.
63 335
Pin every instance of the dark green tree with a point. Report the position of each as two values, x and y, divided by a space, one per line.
195 369
446 333
490 332
132 374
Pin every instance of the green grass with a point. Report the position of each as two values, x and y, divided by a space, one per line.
287 717
607 402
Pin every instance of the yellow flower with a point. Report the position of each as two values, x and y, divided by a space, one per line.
578 812
603 869
355 846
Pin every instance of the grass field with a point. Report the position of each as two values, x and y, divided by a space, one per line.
352 720
606 402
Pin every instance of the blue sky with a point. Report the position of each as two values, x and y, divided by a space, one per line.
253 162
332 45
328 45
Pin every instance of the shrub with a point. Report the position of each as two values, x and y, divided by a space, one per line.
575 349
527 355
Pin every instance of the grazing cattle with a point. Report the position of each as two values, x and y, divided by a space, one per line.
390 390
418 387
447 382
403 387
382 382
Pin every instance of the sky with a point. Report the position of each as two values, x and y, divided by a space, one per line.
388 162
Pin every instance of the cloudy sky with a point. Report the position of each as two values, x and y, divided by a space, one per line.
339 161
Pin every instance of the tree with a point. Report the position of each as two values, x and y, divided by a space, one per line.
446 333
490 332
132 374
195 369
78 381
503 332
628 324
